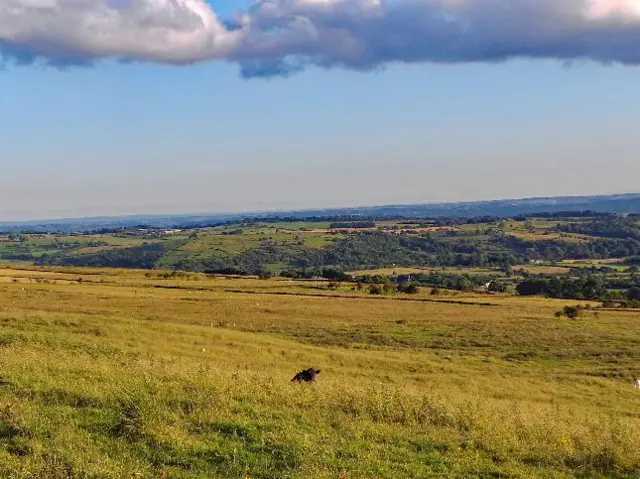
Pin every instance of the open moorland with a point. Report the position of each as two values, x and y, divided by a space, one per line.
122 373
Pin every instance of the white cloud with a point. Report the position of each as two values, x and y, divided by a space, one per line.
281 37
70 31
604 8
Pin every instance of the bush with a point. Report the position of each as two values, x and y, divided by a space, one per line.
497 287
571 312
375 289
389 288
409 289
532 287
335 275
464 284
633 294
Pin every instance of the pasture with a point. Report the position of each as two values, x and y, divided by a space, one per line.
114 373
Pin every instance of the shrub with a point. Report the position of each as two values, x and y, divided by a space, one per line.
375 289
571 312
633 294
497 287
389 288
409 289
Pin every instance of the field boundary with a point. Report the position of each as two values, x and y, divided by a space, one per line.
371 298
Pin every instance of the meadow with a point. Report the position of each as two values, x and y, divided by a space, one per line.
108 373
276 246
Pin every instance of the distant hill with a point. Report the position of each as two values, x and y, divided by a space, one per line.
626 203
623 203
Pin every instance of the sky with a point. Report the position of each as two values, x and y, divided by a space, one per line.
111 107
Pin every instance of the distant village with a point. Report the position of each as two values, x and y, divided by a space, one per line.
149 232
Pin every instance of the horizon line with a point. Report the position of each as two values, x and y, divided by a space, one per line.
194 214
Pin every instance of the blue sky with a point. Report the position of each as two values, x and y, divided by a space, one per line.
115 138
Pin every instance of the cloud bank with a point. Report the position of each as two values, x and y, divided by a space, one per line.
79 31
283 37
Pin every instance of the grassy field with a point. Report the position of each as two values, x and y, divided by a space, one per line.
113 373
425 270
185 249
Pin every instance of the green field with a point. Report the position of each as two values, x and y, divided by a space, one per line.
275 246
207 244
115 373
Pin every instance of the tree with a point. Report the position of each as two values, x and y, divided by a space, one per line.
508 270
532 287
464 284
335 275
633 294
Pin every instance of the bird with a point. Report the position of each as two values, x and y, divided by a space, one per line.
306 376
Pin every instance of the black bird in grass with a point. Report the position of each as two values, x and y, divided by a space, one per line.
306 376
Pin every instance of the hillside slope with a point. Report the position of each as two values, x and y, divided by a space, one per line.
108 373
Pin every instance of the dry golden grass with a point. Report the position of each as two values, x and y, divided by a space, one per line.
426 270
544 269
390 271
128 373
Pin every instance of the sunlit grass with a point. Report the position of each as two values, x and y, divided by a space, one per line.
118 375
